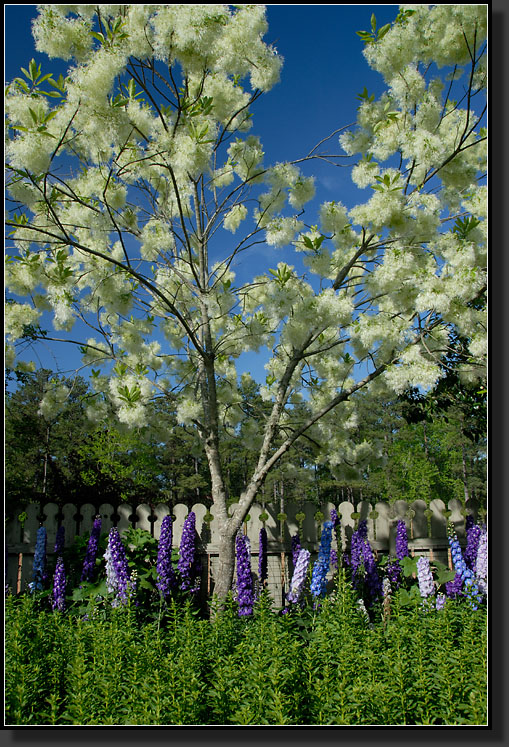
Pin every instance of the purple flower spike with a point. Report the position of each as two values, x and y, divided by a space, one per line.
321 567
166 579
470 588
299 576
481 562
88 571
453 588
60 541
245 588
425 578
296 548
187 562
473 535
401 540
262 557
58 601
39 569
117 573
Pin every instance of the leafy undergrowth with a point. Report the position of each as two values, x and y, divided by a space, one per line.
330 665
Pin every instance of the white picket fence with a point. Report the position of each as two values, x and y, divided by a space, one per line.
426 529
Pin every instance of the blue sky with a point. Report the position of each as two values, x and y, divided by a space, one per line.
323 72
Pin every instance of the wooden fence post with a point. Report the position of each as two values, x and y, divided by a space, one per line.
20 570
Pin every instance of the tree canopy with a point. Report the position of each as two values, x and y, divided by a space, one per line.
138 188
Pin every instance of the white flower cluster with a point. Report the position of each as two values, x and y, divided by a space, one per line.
235 217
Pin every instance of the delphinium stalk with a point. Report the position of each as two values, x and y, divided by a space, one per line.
187 554
299 576
321 566
60 541
473 532
166 578
453 588
296 548
39 569
88 572
245 590
481 562
441 600
117 572
372 578
356 554
425 579
262 557
470 588
393 573
401 540
58 596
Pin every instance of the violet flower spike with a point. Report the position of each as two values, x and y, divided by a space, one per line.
60 541
470 588
296 548
88 571
166 579
245 587
401 540
117 573
473 536
481 562
321 566
39 568
58 598
262 557
425 578
299 576
187 553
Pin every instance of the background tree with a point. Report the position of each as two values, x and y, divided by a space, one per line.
41 446
131 176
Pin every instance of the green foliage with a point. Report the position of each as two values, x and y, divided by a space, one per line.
326 666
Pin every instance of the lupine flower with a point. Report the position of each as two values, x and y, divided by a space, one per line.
296 548
117 573
60 541
58 600
166 579
401 540
321 566
88 571
481 562
470 588
187 553
299 576
425 578
245 589
262 556
39 570
473 535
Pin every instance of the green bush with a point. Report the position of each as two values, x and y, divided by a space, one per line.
313 666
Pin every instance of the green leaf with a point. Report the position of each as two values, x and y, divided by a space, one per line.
408 565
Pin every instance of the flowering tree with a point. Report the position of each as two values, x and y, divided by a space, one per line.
132 175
